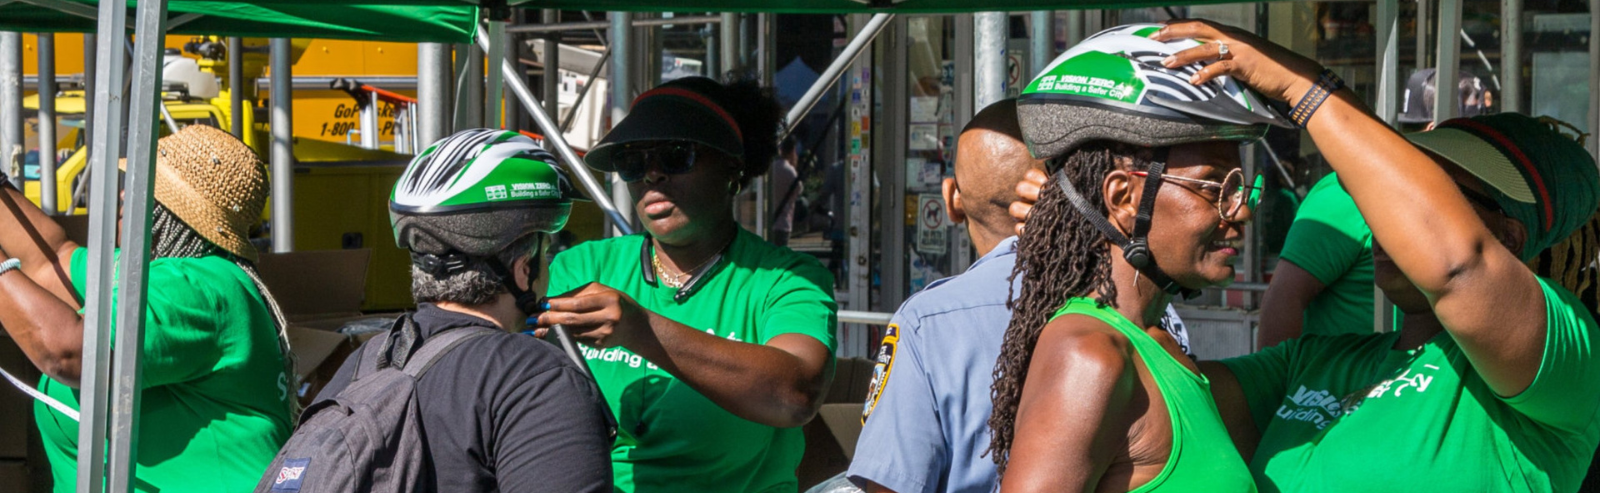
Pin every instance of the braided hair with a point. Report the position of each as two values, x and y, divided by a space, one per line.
1574 263
1060 255
170 237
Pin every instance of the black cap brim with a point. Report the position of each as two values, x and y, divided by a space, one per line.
667 118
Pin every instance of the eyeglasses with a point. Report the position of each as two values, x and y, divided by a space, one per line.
1232 194
634 160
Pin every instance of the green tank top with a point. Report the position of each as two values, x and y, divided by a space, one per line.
1203 456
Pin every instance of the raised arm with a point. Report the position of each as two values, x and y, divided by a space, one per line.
780 383
1073 415
30 236
1481 292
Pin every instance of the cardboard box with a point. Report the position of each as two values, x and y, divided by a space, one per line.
315 285
320 292
15 476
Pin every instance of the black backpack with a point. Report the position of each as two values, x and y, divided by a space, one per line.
368 437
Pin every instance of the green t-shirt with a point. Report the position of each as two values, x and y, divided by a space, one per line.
214 410
1203 457
1348 413
1330 240
670 437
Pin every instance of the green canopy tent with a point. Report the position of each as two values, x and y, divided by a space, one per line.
442 21
850 6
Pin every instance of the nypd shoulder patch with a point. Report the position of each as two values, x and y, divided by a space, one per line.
880 371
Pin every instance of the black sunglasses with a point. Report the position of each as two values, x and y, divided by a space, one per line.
634 160
1483 200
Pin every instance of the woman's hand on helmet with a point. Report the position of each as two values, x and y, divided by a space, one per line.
597 315
1027 194
1272 70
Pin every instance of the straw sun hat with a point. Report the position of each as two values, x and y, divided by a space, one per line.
214 183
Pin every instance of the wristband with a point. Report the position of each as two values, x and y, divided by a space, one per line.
9 265
1326 85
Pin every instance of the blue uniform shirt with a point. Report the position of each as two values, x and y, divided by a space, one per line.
929 404
929 401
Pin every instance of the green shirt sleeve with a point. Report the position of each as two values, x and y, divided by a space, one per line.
181 332
1264 378
1566 392
1328 235
567 268
801 303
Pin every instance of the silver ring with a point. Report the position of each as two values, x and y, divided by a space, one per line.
1222 51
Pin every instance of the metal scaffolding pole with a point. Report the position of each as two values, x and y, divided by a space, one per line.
495 87
1511 55
1075 27
104 151
831 75
621 100
236 87
1594 76
554 141
729 41
47 123
1042 42
989 58
11 144
765 54
511 49
552 66
89 64
433 93
145 102
1424 21
282 147
468 107
889 135
1388 51
1447 95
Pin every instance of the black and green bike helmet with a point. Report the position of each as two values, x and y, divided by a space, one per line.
1113 87
477 192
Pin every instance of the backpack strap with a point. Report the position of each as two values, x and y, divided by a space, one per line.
374 355
437 346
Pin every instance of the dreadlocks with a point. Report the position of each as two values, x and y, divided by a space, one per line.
1060 255
171 238
1572 263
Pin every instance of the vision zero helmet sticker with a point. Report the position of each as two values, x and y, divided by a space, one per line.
880 371
291 475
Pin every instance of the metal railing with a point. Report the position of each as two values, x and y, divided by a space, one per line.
369 100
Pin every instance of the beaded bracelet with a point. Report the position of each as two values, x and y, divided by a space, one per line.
1326 85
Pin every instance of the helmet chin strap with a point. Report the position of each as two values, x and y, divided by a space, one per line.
528 302
1136 250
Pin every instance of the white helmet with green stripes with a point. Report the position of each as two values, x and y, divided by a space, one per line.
476 193
1112 86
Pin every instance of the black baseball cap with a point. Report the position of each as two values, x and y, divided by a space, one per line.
676 111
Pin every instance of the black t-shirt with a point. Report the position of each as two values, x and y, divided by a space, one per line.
505 412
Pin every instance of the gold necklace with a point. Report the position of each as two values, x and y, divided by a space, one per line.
677 281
